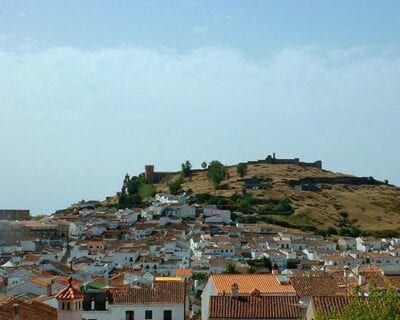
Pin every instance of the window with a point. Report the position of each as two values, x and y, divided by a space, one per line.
148 314
129 315
167 315
68 306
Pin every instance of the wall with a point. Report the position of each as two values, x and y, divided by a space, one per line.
208 291
14 214
117 312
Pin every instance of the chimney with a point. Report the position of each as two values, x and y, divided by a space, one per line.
275 269
50 288
16 311
345 271
361 280
357 269
234 290
106 303
106 278
92 304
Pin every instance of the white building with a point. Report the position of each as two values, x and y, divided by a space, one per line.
165 300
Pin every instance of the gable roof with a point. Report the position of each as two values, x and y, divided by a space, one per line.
328 304
254 307
265 283
321 286
165 292
32 311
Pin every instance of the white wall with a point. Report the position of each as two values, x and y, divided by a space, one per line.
208 291
117 312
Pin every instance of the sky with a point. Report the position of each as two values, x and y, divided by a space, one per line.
91 90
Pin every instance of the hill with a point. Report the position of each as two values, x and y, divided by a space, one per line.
318 199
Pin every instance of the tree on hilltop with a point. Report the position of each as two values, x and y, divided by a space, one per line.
241 169
216 173
186 168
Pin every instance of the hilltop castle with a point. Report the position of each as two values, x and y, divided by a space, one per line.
156 176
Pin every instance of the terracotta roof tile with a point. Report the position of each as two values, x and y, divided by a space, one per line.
69 292
321 286
265 283
165 292
31 311
328 304
254 307
184 272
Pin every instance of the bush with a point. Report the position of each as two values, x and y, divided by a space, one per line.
176 186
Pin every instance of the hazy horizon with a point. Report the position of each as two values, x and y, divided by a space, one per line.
90 91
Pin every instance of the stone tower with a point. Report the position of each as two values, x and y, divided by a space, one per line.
149 173
70 303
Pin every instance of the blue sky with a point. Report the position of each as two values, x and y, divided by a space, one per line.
90 90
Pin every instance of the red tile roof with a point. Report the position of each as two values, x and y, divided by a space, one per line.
165 292
254 307
27 311
69 292
327 304
265 283
184 272
321 286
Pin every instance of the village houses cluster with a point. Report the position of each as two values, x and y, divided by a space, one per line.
174 260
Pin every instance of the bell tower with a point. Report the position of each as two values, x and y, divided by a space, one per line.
70 303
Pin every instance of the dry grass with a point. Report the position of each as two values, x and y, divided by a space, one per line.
369 207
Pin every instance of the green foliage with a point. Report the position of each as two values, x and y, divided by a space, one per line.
252 270
186 168
380 305
206 198
326 232
344 214
200 276
133 190
282 207
146 190
384 234
176 186
257 264
242 202
248 219
230 269
351 232
241 169
204 165
216 173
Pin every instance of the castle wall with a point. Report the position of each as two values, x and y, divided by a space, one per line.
294 161
6 214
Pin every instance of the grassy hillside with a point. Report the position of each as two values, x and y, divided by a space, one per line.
368 207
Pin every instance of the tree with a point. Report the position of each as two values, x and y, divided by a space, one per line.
380 305
241 169
267 263
344 214
199 276
186 168
230 269
176 186
204 165
252 270
216 173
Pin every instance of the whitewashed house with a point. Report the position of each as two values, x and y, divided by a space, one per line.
165 300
